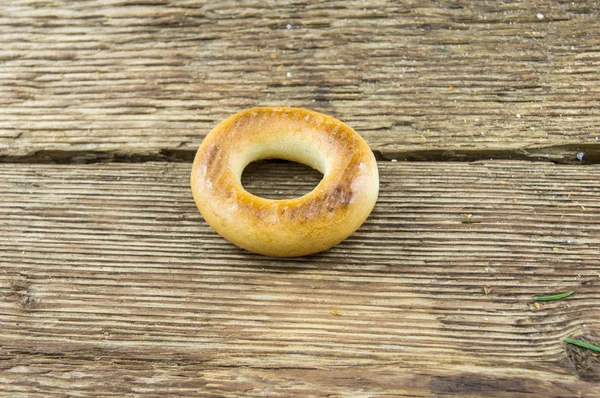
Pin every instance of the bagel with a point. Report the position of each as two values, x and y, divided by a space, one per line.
324 217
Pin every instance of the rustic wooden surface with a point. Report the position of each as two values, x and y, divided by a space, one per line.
111 278
90 80
111 284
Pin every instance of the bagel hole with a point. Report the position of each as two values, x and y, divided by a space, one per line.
279 179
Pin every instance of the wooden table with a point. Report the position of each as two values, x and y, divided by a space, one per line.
485 121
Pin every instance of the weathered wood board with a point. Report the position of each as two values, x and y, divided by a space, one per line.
111 284
128 80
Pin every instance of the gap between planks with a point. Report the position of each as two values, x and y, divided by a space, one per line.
583 154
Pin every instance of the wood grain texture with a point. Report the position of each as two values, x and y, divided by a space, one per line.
120 80
111 284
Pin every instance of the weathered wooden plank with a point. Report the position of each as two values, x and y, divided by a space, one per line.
420 80
111 283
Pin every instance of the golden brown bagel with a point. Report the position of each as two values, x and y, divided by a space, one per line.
292 227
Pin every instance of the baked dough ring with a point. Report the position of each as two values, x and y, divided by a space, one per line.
291 227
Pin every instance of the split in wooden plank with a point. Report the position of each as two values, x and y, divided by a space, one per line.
90 81
110 270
